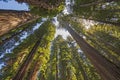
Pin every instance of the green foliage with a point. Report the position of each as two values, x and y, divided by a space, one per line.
45 12
109 11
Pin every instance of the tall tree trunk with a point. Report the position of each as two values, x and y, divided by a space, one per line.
18 32
35 69
24 67
80 67
33 73
98 45
11 19
56 76
107 70
75 56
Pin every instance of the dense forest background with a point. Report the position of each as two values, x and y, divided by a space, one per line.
31 47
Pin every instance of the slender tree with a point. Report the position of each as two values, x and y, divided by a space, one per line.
43 53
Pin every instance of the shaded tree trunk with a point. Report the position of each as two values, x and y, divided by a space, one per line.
107 70
19 32
33 73
11 19
75 56
56 76
24 67
80 66
98 45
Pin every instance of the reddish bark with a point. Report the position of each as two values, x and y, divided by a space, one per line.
11 19
107 70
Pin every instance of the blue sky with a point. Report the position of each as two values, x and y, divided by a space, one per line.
13 5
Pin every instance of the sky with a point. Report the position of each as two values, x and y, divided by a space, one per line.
12 4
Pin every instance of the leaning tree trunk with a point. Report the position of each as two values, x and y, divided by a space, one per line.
80 66
34 71
96 44
11 19
24 67
19 32
56 75
105 68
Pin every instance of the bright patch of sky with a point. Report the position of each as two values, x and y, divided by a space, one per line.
13 5
62 32
67 10
88 23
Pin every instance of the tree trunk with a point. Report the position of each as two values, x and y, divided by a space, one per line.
19 32
11 19
35 69
75 55
33 73
98 45
109 46
91 3
107 70
56 76
24 67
